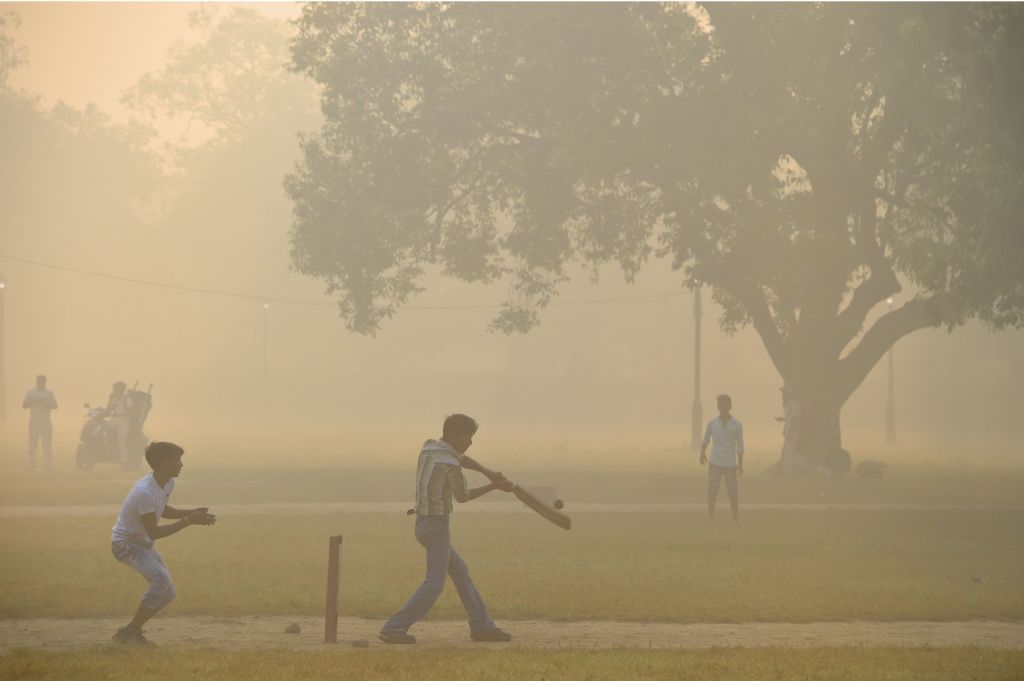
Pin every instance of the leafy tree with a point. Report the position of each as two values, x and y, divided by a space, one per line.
806 162
12 55
233 73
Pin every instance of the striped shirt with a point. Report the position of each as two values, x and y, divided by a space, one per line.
439 478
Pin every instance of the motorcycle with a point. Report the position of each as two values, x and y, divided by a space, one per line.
97 444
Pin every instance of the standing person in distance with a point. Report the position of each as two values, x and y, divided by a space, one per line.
137 528
439 478
119 412
725 435
40 401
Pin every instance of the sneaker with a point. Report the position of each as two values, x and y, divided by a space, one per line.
132 637
494 635
396 636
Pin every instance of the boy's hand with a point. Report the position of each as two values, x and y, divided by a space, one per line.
201 516
739 469
703 458
504 485
495 476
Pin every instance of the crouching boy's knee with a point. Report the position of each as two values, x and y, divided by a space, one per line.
170 593
161 592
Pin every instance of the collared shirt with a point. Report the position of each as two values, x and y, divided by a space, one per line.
40 404
439 478
146 496
726 441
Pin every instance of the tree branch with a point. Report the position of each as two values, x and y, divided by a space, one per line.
455 200
879 285
920 313
754 301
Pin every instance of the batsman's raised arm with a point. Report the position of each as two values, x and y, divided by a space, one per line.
463 494
472 464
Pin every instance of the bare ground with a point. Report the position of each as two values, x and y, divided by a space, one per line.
256 632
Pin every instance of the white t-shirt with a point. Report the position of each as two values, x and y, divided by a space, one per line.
41 403
726 441
146 496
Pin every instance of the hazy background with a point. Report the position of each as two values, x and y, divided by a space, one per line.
90 182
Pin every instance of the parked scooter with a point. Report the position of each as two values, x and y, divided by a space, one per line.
97 444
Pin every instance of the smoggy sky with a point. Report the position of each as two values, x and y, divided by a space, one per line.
617 371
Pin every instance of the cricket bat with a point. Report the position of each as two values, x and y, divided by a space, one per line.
543 509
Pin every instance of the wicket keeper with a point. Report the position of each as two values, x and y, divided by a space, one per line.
133 536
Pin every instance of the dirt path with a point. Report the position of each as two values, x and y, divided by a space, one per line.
317 508
268 632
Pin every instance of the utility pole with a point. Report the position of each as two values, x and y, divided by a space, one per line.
890 404
697 415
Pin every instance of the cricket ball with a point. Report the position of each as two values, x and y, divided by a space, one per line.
559 503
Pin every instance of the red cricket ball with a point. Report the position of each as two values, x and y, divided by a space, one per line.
559 503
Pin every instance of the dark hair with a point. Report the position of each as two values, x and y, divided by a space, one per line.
458 424
724 398
158 452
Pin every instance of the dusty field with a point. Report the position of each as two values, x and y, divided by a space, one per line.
263 632
399 507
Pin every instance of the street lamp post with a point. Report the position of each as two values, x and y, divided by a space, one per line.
890 404
266 310
697 414
3 378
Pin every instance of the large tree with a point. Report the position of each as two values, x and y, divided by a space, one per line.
806 162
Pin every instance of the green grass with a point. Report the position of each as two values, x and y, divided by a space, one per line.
839 664
680 481
774 566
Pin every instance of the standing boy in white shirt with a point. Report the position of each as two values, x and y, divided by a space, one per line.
41 402
725 435
137 527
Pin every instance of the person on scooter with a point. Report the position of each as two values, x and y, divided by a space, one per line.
119 409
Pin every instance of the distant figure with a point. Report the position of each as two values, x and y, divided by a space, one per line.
725 435
137 527
792 460
119 407
40 402
438 478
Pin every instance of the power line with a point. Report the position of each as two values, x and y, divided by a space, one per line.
321 303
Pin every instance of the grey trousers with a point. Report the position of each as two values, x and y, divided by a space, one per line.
442 561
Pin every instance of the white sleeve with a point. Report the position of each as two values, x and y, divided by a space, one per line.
145 503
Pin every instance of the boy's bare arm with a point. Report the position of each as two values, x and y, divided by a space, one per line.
160 531
172 513
473 465
503 485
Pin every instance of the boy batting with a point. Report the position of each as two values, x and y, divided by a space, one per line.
438 479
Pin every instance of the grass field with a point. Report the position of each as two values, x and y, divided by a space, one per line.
790 566
836 664
683 480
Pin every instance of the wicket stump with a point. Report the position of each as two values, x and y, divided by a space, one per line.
333 581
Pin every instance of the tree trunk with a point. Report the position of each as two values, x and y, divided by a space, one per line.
820 437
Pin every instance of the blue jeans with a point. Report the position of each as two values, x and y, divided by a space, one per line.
150 564
433 533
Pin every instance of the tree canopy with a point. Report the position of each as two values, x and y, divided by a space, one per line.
805 161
